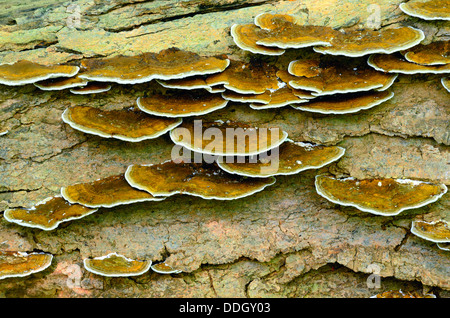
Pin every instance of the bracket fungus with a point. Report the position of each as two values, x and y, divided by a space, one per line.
246 78
345 103
427 10
435 53
292 158
24 72
282 97
436 231
47 214
20 264
116 265
192 82
60 83
229 138
379 196
176 103
246 37
396 63
284 32
91 88
125 124
358 43
168 64
207 181
107 192
445 81
163 268
334 77
402 294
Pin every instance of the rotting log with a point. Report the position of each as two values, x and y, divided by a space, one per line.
284 241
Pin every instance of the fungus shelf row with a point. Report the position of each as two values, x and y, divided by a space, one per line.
193 85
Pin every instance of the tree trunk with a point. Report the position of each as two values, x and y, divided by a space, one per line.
286 241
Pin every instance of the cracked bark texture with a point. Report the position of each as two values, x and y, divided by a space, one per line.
286 241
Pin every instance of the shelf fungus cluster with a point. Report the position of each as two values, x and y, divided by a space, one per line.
236 159
427 10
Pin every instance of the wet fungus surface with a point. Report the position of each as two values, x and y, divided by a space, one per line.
207 181
292 158
47 214
246 37
163 268
167 64
91 88
227 138
116 265
436 231
60 83
20 264
107 192
427 10
379 196
125 124
358 43
25 72
396 63
184 103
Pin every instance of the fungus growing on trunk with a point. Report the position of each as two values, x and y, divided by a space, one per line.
91 88
230 138
446 83
401 294
246 78
293 157
436 231
60 83
24 72
116 265
20 264
184 103
107 192
435 53
334 77
427 10
47 214
363 42
396 63
345 103
125 124
282 97
167 64
190 83
163 268
207 181
246 37
379 196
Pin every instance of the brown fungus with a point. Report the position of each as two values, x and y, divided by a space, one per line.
436 231
358 43
116 265
230 138
192 83
48 214
436 53
166 65
25 72
176 103
334 77
427 10
281 97
125 124
402 294
263 98
292 158
396 63
246 78
60 83
379 196
285 33
106 192
163 268
204 180
345 103
20 264
246 37
91 88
